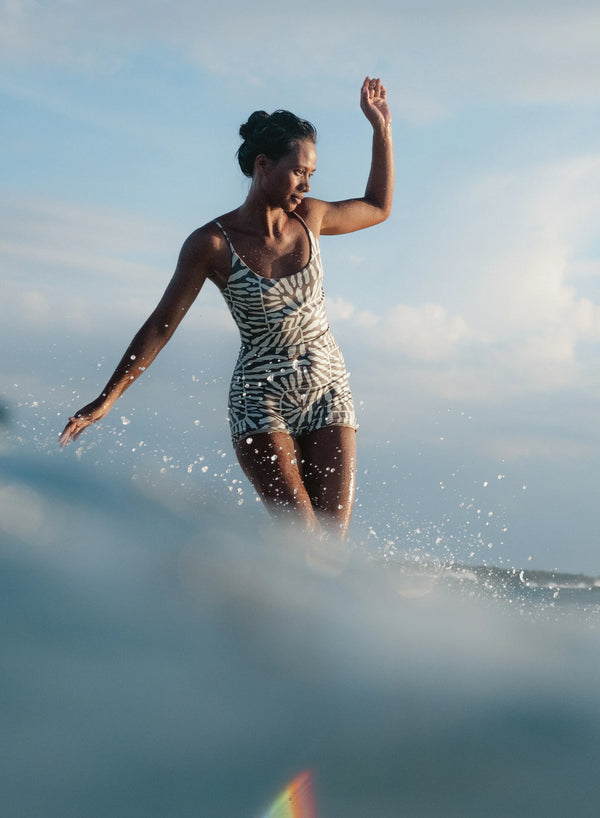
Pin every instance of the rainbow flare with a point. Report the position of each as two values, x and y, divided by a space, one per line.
296 800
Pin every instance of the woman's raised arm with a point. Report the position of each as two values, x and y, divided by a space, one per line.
192 270
376 204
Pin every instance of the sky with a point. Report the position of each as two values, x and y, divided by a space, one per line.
470 320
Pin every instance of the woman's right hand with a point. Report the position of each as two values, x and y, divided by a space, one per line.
94 411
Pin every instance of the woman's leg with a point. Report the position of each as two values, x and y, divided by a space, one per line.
329 475
272 463
310 481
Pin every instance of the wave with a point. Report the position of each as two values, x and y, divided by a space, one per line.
164 659
499 582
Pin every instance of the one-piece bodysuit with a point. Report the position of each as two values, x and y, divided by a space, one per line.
290 375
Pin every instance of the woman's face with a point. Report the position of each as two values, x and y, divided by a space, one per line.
287 180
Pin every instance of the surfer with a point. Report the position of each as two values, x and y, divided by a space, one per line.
291 414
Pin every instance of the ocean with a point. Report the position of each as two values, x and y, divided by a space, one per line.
164 659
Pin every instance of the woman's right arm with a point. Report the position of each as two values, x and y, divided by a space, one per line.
193 268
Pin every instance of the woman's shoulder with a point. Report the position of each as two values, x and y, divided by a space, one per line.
206 249
207 239
311 212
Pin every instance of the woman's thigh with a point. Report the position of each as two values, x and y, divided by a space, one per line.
328 459
272 463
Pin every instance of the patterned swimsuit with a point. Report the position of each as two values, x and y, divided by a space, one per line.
290 375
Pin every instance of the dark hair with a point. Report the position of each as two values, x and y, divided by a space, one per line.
271 134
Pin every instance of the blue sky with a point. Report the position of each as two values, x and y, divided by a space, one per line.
470 319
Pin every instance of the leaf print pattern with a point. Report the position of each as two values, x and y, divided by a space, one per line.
290 374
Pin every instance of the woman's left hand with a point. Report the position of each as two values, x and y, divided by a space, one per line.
373 103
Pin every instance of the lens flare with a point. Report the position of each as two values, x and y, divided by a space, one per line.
296 800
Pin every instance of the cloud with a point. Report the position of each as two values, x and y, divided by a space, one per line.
505 267
513 249
434 56
339 309
509 257
521 232
422 333
62 264
82 270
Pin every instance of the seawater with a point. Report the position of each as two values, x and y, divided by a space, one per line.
170 662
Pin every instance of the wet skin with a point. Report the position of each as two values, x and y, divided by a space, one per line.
310 480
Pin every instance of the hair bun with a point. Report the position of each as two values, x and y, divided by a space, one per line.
271 134
256 122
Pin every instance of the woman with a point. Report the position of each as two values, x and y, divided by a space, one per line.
291 414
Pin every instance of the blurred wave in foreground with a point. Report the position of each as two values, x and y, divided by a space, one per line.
186 662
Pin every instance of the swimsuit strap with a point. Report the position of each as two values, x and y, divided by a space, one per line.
222 229
312 239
